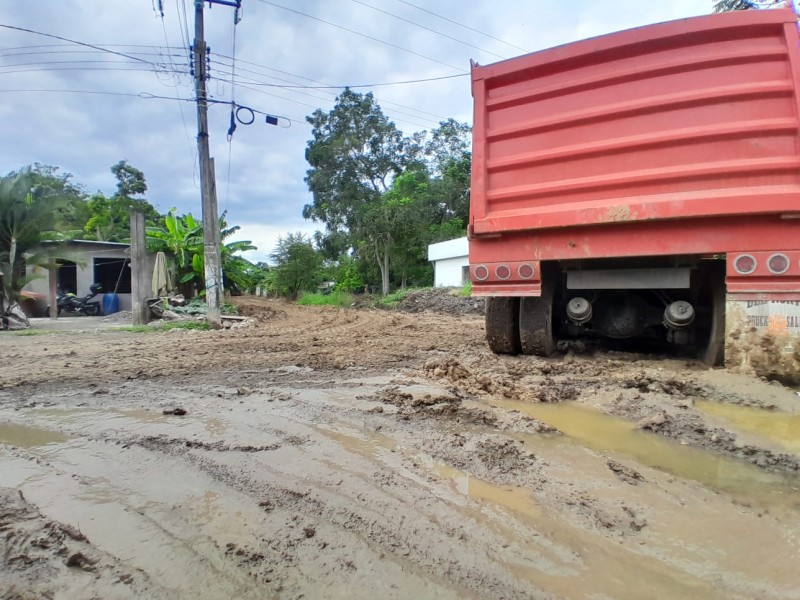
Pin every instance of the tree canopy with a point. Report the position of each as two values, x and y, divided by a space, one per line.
381 195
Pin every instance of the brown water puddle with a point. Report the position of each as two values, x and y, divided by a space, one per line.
780 427
29 437
546 551
597 430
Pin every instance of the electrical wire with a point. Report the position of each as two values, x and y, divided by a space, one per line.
233 104
65 39
364 35
430 12
192 147
330 94
323 85
444 35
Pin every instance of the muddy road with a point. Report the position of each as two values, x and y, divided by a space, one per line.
326 453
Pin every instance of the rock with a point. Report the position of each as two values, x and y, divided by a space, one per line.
79 560
169 315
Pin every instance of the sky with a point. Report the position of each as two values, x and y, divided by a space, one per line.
84 109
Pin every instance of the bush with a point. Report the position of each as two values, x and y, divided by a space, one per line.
395 298
335 298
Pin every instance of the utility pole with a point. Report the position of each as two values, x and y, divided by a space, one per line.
211 251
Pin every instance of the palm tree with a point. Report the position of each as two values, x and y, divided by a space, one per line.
29 210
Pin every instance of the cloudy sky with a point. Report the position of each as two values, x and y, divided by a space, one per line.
83 109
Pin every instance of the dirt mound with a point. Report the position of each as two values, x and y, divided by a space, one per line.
263 309
441 300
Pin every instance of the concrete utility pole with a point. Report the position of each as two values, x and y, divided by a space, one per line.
211 251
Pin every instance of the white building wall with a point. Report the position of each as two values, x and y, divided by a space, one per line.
449 260
449 272
85 256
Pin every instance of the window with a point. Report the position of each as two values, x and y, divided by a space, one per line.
465 274
114 274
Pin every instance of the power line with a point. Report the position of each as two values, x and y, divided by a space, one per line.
325 85
444 35
430 12
364 35
89 52
257 82
132 69
349 85
64 39
192 150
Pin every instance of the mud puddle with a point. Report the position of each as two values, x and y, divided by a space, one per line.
23 436
780 427
594 429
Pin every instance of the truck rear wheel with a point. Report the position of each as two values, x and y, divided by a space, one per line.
502 325
536 319
712 336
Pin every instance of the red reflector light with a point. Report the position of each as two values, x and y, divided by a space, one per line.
481 273
745 264
525 271
778 264
502 272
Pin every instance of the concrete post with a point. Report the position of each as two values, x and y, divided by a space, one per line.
139 279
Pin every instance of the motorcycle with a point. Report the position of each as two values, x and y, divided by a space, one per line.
70 303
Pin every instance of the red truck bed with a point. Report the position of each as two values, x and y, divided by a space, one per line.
686 120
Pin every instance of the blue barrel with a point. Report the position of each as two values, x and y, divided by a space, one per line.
110 304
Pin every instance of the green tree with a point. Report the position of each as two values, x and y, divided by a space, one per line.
297 265
731 5
108 218
33 201
354 153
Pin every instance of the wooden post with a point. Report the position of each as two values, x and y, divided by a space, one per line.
52 271
138 268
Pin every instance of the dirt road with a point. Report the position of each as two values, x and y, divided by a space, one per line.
330 453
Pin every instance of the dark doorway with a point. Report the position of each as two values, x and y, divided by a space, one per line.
67 279
114 274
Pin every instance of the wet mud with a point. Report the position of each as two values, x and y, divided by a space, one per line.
330 453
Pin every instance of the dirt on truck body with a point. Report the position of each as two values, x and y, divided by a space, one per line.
328 453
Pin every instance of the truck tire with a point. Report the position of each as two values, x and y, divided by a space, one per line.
712 345
536 318
502 325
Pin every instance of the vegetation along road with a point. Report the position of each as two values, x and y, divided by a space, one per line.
362 453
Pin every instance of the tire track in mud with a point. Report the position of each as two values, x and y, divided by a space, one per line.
326 511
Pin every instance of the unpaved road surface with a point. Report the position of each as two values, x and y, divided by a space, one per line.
330 453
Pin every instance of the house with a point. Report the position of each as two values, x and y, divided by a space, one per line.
83 263
450 262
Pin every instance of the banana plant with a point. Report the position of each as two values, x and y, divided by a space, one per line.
181 237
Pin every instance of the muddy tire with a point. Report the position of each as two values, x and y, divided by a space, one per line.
536 319
712 342
502 325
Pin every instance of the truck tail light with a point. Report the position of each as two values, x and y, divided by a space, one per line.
525 271
502 272
745 264
481 273
778 264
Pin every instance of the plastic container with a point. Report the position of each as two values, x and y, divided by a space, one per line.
110 304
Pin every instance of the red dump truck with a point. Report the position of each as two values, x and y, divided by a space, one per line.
623 185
